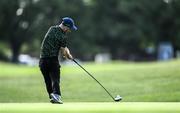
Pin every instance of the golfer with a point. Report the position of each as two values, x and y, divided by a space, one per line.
53 42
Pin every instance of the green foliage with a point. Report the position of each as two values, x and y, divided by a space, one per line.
115 26
18 23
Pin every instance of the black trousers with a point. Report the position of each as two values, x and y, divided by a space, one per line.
50 70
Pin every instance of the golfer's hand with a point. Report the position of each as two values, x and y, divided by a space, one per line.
66 53
69 56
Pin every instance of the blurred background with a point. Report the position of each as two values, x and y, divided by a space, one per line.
127 39
107 29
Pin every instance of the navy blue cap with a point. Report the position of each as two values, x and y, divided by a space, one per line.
69 22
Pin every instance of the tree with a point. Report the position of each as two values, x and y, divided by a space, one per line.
120 27
18 17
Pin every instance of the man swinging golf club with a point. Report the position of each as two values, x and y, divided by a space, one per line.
53 42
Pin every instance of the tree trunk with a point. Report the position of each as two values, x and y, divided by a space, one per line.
15 48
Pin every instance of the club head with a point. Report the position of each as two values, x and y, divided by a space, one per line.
118 98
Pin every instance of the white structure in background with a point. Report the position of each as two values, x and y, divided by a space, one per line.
26 59
165 51
102 57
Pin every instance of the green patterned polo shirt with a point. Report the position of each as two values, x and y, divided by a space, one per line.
53 41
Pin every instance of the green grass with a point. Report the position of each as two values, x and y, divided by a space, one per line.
125 107
135 82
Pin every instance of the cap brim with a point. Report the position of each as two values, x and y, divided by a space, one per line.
74 28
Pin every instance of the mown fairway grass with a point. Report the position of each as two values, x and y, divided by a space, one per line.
135 82
125 107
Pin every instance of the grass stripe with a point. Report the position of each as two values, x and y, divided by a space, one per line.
101 107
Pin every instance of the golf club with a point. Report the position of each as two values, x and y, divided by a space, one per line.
116 99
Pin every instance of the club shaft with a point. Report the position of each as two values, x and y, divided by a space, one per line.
94 79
